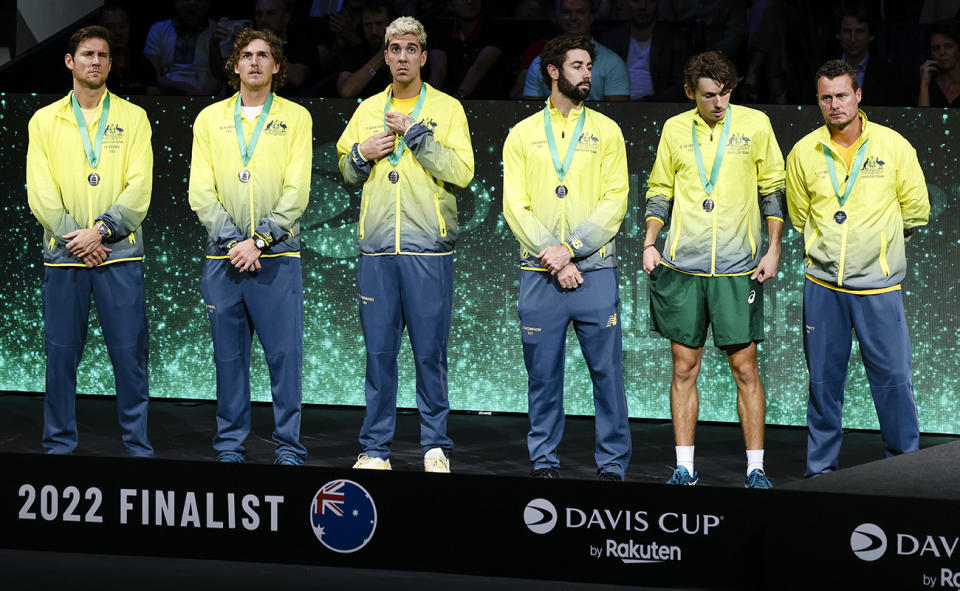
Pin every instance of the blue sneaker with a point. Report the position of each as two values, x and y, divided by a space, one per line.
682 477
288 459
757 479
230 457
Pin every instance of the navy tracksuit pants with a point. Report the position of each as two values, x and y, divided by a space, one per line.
118 293
269 301
546 309
878 319
416 292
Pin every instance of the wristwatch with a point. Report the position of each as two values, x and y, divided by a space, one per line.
259 242
101 229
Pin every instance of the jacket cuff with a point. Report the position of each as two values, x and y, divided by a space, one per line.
415 134
658 207
774 205
361 166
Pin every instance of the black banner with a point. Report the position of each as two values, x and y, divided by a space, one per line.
574 530
551 529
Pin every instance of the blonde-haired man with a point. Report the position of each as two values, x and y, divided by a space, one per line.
407 146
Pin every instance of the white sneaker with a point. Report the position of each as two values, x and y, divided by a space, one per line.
365 462
436 461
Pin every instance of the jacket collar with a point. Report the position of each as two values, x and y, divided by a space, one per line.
65 107
556 114
823 134
230 102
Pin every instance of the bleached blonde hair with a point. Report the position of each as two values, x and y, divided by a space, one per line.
406 25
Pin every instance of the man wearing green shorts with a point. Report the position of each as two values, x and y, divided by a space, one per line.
712 164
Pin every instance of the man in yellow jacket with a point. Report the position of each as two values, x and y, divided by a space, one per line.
564 196
249 185
855 189
89 177
717 176
408 146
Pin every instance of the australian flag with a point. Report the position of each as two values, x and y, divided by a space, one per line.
343 516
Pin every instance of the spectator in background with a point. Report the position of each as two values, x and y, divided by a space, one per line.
767 64
335 30
655 53
363 71
610 81
715 24
881 80
275 16
129 71
301 53
178 49
466 54
934 11
940 75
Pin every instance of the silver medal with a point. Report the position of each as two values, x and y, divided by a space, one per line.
394 176
244 176
561 191
93 179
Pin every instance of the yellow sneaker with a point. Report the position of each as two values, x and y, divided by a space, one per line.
365 462
436 461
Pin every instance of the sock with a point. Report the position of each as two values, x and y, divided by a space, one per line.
685 457
754 460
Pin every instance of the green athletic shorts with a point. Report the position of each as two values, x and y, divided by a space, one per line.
682 306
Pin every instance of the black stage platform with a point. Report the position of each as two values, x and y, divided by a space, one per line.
472 529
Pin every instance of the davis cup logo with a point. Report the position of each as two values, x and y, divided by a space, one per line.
868 542
343 516
540 516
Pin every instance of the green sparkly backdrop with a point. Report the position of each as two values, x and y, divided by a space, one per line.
486 364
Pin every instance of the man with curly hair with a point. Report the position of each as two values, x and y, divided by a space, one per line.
717 177
249 185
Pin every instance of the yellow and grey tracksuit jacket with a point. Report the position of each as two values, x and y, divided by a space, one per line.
589 216
723 237
271 203
417 214
57 169
866 251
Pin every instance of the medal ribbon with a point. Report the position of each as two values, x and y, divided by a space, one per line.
246 151
711 184
854 172
394 157
562 170
93 152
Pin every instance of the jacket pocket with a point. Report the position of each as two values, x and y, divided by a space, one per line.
808 244
440 222
883 254
363 215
